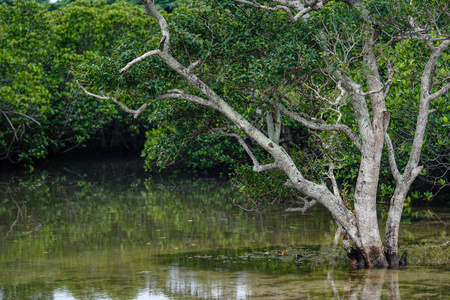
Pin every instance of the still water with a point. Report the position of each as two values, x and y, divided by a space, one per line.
103 230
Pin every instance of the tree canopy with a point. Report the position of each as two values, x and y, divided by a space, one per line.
41 108
341 69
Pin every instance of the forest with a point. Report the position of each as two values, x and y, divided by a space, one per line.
45 113
71 70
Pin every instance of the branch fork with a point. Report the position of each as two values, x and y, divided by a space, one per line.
257 167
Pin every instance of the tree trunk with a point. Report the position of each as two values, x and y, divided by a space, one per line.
366 212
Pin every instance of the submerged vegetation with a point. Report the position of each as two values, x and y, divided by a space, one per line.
429 254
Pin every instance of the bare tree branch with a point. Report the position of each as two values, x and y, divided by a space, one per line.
412 169
332 103
26 116
436 52
177 94
306 206
444 90
323 126
278 123
139 59
300 10
425 99
391 157
413 35
10 124
198 63
150 9
386 84
135 113
334 183
257 167
171 94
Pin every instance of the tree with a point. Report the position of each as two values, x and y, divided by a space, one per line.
347 50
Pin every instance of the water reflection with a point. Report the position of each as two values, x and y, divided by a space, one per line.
362 284
368 284
72 235
179 283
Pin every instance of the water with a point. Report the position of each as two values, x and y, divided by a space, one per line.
100 230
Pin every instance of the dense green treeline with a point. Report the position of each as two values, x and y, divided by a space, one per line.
42 108
168 5
43 111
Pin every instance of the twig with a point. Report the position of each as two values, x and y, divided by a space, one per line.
198 63
135 113
11 125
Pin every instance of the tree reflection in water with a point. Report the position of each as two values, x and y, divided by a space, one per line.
361 284
367 284
87 238
179 283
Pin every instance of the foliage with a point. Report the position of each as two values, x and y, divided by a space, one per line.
24 89
200 30
168 5
246 63
42 109
268 190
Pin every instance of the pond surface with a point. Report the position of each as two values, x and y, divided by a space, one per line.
102 230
